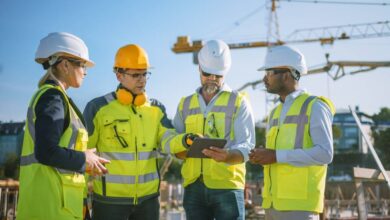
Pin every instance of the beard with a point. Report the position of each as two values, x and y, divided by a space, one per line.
210 88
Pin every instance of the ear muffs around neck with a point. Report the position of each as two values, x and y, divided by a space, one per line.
125 97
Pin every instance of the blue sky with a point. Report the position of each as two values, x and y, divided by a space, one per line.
107 25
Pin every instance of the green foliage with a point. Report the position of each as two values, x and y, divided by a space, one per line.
383 115
382 144
11 166
260 136
337 132
382 137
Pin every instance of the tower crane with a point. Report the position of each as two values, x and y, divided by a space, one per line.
324 35
335 70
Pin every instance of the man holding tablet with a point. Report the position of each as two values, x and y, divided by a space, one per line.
214 186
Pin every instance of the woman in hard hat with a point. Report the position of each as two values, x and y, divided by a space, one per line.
54 155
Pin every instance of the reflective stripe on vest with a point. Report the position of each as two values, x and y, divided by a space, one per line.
216 175
75 125
301 120
168 135
122 179
128 156
229 110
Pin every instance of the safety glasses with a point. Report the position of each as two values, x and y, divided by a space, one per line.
79 63
138 76
276 71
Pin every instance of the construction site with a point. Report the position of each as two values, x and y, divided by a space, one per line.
357 180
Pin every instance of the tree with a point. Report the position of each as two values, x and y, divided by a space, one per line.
337 132
11 166
382 137
382 116
382 144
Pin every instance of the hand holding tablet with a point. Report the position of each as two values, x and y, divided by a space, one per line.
195 151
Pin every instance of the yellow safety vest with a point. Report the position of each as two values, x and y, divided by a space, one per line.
288 187
47 192
219 123
130 137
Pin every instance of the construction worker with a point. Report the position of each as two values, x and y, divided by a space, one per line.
298 141
214 187
54 153
129 129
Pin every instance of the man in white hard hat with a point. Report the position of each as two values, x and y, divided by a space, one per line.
299 141
214 185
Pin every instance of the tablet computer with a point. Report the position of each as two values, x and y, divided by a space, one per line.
195 151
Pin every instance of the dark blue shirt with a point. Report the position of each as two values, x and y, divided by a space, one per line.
51 122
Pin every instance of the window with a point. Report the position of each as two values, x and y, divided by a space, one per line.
350 132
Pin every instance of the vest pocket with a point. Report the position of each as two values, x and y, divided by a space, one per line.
116 131
81 140
292 182
191 124
270 139
73 191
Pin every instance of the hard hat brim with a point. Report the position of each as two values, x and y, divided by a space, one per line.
90 63
262 68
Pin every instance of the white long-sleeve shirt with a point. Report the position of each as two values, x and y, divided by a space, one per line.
244 125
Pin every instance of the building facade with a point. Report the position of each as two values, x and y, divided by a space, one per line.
11 139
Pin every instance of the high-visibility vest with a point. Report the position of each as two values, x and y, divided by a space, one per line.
288 187
130 136
47 192
219 123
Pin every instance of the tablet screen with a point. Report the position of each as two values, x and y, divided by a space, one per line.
195 151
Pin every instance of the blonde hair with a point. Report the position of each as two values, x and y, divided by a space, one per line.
51 73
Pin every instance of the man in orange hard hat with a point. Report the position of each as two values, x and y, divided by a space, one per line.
129 129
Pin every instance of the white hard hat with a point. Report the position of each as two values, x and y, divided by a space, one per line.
214 58
281 56
62 42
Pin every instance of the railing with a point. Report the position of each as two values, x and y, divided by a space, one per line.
340 203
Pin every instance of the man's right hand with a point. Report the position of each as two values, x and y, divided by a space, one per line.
181 155
94 163
190 137
188 140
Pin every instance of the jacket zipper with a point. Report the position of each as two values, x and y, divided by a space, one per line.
104 185
136 168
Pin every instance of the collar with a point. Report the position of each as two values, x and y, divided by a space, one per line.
292 96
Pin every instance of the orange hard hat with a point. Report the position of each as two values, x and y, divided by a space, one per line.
131 56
